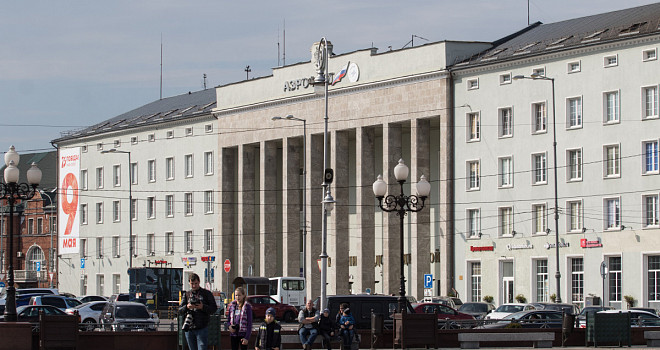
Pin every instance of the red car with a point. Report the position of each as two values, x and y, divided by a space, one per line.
443 311
261 303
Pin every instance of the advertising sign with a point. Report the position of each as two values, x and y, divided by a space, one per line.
68 222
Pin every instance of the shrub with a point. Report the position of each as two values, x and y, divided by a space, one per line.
521 298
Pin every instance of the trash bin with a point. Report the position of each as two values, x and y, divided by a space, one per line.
567 326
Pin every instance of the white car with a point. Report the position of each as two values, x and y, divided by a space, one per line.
90 314
507 309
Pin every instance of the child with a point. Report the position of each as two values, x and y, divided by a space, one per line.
268 337
327 328
347 333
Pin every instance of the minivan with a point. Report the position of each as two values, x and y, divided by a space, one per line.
362 305
288 290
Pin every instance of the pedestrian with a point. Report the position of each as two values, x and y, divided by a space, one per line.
199 304
347 323
327 328
240 320
340 313
308 320
268 337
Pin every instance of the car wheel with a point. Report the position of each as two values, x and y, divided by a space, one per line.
289 316
88 325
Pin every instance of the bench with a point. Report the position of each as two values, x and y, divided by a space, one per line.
540 339
292 341
652 338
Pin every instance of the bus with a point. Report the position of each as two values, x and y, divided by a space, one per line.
289 290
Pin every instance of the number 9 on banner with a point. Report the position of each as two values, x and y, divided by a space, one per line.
69 208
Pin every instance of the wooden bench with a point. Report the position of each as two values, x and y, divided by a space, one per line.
652 338
292 341
472 340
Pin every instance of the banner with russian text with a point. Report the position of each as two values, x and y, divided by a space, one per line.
68 221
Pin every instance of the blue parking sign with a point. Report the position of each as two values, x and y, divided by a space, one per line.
428 281
38 267
82 263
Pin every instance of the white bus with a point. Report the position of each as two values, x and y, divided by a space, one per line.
289 290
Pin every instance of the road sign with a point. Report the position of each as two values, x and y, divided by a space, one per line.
367 290
38 266
82 263
50 274
603 270
227 265
428 280
428 292
2 284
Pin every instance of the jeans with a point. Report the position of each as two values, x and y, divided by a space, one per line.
307 335
197 338
347 337
327 339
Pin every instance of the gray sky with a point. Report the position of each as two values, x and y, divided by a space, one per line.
70 64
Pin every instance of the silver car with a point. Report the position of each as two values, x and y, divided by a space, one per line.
125 316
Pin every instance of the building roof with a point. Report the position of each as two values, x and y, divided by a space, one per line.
168 109
46 161
541 38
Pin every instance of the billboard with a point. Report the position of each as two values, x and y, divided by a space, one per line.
68 222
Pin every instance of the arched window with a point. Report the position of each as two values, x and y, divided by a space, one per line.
34 255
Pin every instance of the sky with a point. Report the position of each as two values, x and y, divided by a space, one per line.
67 64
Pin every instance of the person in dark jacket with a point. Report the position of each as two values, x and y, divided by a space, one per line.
268 336
327 328
200 304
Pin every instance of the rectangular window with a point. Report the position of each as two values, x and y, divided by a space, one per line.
208 240
654 277
577 281
188 166
614 276
134 171
117 143
116 175
208 127
650 157
99 177
99 146
473 84
506 221
473 222
116 211
540 217
539 117
612 162
115 246
189 131
208 163
574 67
100 285
188 239
40 226
188 203
170 134
650 102
169 242
53 224
83 214
505 79
30 227
151 247
151 207
99 247
83 180
611 107
506 122
574 164
473 175
574 216
169 168
99 213
134 140
541 280
116 283
649 55
650 210
169 205
540 168
574 113
538 72
83 247
610 61
506 172
474 126
612 214
475 281
151 170
208 202
134 209
83 284
151 137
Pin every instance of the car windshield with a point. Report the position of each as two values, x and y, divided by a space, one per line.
593 309
514 316
473 308
132 311
73 302
509 308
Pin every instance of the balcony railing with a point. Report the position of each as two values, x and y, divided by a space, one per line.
22 276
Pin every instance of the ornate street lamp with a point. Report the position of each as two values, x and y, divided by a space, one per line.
12 191
401 204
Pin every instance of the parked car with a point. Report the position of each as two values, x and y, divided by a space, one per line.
648 309
581 319
639 318
20 300
444 312
127 316
452 302
261 303
478 310
88 298
119 297
30 313
362 305
530 319
567 308
90 314
59 301
507 309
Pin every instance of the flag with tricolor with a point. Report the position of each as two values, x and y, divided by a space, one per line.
341 74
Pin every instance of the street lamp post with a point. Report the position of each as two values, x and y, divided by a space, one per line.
401 204
536 76
12 191
304 186
130 204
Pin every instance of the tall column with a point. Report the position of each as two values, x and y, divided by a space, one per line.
338 236
227 165
445 190
269 231
291 160
246 209
366 205
392 152
420 230
314 213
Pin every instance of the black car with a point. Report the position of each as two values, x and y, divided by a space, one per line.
30 313
478 310
529 319
127 316
566 308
